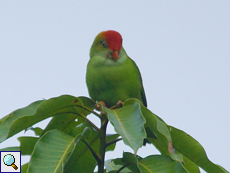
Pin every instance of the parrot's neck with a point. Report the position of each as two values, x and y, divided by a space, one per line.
105 59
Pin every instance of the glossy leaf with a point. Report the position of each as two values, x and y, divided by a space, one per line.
151 123
190 148
111 138
38 131
63 122
162 138
10 149
112 168
24 118
190 166
160 164
24 168
129 123
27 144
50 152
128 161
81 154
12 124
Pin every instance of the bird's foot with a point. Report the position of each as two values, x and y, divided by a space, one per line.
98 106
119 104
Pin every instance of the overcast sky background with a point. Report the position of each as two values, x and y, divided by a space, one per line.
182 49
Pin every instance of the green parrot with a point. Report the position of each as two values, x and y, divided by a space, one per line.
111 75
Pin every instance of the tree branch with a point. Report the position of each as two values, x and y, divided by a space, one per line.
102 149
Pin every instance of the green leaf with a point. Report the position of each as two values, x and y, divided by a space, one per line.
160 164
129 161
66 122
10 124
161 139
162 128
88 103
129 123
111 138
132 162
63 122
81 154
190 148
24 118
150 164
10 149
161 142
111 167
3 119
37 130
24 168
27 144
50 152
190 166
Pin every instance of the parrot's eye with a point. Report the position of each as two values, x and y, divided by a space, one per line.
103 44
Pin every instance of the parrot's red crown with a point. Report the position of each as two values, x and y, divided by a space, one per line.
113 38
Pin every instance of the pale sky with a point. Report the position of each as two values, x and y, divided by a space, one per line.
182 49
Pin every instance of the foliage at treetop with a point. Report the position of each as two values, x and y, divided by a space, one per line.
72 143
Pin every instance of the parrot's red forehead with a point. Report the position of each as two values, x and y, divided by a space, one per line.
113 38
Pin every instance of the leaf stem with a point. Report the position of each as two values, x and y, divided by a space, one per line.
113 141
93 112
119 170
90 122
92 151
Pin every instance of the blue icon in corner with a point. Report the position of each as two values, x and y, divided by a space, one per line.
10 161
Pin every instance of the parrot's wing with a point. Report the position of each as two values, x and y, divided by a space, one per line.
143 97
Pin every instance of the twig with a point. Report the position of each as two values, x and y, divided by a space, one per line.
113 141
90 122
122 168
93 112
92 151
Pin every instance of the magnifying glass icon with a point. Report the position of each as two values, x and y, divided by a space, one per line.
9 160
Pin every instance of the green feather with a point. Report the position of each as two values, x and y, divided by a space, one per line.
109 80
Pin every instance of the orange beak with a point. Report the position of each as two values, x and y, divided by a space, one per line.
115 55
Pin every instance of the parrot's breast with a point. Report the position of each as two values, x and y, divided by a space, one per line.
113 83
